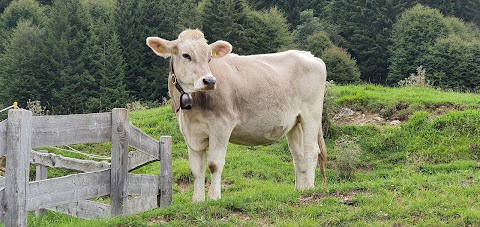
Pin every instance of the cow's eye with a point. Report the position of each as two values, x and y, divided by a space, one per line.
187 56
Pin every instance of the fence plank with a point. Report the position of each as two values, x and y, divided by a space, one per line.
2 181
2 203
18 149
119 167
58 161
68 189
166 178
84 209
3 138
71 129
141 141
138 159
41 174
142 185
141 204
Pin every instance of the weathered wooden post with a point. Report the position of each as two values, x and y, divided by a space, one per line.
166 178
19 137
119 165
41 174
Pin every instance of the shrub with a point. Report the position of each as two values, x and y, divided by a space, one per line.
341 67
318 42
348 156
329 107
36 108
416 80
412 35
454 63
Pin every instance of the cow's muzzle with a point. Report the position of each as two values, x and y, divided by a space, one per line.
206 83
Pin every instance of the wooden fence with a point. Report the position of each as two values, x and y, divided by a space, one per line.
129 193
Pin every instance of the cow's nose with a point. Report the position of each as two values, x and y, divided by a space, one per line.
209 81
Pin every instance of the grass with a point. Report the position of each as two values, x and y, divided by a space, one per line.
399 103
425 172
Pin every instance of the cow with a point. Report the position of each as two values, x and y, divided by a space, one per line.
221 97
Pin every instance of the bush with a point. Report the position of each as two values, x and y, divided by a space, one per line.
329 107
341 67
454 63
416 80
348 157
318 43
412 35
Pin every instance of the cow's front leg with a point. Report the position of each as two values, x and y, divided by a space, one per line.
216 162
197 166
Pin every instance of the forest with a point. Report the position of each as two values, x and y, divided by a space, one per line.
82 56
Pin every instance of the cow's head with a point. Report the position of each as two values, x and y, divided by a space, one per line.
190 55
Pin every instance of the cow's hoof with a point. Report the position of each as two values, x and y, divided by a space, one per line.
214 196
198 200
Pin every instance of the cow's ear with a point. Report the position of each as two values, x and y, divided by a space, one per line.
220 48
162 47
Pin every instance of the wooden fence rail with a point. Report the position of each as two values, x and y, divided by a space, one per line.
129 193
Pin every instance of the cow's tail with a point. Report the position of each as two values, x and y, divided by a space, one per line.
322 156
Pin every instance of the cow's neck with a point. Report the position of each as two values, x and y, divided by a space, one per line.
185 99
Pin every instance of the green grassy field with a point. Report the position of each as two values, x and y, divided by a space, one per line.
424 172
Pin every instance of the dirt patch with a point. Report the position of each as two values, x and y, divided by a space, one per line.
346 198
183 186
364 169
158 221
238 215
347 116
468 182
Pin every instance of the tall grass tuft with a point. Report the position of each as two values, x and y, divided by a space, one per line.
329 107
348 156
416 80
36 107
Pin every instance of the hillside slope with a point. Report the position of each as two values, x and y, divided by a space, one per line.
424 171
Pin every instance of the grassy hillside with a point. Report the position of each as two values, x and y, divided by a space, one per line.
425 171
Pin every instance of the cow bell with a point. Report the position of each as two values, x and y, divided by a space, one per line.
186 101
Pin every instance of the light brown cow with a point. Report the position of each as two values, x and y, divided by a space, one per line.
250 100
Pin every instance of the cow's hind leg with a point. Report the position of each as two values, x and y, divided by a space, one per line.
295 143
310 128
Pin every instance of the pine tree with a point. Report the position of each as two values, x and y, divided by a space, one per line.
188 16
23 65
103 58
267 32
226 20
146 74
366 28
113 92
67 35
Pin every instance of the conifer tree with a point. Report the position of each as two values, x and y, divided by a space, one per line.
23 65
226 20
67 35
113 92
267 32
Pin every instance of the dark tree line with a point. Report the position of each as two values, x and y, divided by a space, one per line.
79 56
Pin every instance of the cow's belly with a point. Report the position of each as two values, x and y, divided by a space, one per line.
259 131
